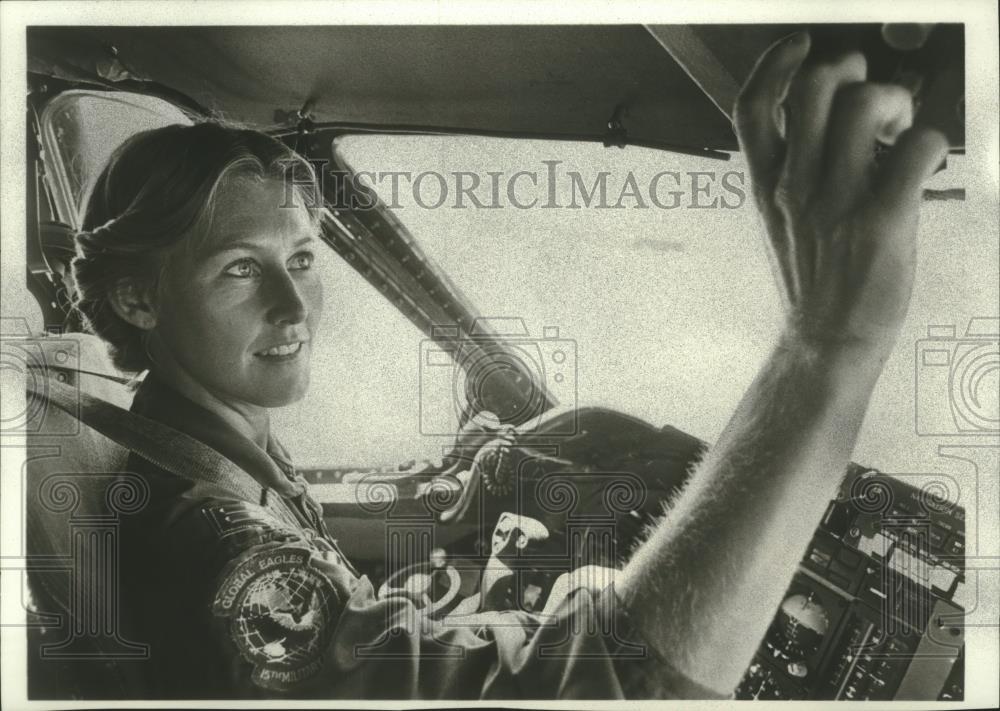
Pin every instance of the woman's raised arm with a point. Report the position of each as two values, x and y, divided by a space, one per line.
841 236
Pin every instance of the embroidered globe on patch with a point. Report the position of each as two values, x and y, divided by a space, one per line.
280 614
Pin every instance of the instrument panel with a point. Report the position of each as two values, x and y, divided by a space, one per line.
872 612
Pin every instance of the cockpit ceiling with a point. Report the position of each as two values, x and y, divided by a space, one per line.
523 80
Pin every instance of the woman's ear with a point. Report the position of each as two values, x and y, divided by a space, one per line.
132 304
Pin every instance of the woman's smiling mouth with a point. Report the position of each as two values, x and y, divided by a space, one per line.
284 351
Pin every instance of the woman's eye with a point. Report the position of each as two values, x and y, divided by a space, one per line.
243 269
303 260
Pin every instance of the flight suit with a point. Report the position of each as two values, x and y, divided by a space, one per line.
240 591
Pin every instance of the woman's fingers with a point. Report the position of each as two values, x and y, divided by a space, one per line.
809 119
809 103
918 153
758 119
863 115
757 112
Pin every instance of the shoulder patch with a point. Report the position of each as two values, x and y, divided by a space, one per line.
279 612
235 517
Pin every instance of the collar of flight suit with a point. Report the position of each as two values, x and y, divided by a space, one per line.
271 467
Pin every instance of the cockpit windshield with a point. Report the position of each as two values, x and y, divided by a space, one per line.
652 265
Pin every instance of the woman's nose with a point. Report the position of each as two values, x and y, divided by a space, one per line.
285 303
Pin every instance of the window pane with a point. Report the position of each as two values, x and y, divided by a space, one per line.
81 129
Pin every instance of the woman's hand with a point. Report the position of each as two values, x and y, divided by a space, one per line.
841 226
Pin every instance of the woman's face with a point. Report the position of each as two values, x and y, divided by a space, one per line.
239 317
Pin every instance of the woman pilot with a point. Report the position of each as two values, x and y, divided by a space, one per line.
196 264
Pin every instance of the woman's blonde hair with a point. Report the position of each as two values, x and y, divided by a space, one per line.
156 198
